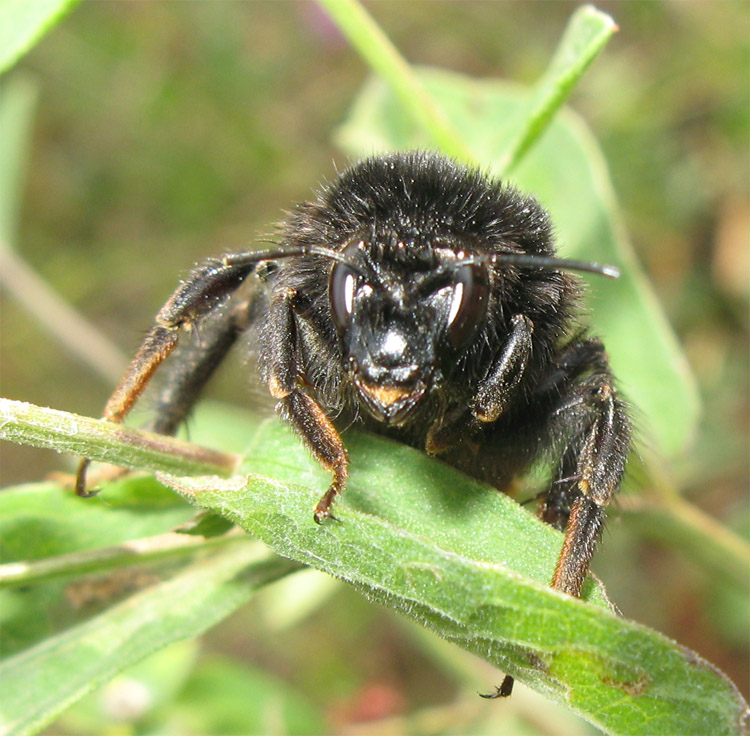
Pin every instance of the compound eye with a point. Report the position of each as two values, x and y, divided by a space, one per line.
469 303
341 288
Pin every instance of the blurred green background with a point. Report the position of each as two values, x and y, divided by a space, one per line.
167 132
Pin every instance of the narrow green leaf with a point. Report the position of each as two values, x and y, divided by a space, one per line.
42 520
587 33
106 442
472 565
24 22
133 552
40 682
567 173
46 532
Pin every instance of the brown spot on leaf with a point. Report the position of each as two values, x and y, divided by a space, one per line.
633 688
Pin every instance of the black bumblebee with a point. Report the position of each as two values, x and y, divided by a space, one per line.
424 300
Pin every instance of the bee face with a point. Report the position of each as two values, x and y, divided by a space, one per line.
400 321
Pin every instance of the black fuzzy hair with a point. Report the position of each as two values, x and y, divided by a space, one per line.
403 206
418 196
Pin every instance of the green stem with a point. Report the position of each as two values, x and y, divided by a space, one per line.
382 56
136 551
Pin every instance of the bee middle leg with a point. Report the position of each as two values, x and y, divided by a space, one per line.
283 373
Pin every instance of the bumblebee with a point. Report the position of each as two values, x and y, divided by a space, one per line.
423 300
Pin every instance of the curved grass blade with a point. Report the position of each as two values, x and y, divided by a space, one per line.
23 23
587 33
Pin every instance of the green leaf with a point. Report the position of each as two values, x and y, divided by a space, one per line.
41 520
469 563
50 536
566 172
464 560
40 682
24 22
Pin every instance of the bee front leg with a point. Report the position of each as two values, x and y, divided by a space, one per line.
204 290
282 370
493 394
